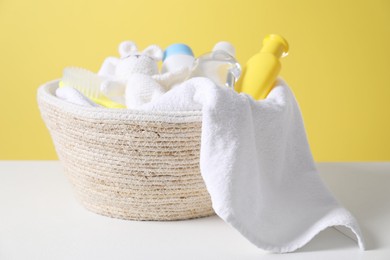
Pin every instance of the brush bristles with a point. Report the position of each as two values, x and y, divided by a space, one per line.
83 80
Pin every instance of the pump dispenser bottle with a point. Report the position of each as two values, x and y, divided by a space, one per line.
259 75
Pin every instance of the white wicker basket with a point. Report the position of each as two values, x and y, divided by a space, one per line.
129 164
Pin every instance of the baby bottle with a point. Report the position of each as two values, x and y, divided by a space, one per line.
177 57
260 72
220 66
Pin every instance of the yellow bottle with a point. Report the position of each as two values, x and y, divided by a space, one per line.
259 75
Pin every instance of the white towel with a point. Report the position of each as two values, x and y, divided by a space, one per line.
257 165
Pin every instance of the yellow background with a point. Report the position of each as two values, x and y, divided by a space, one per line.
338 67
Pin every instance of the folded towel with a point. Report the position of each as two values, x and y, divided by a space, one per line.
257 165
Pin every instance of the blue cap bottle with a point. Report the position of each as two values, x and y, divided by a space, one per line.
176 57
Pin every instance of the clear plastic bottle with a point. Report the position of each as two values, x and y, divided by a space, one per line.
220 66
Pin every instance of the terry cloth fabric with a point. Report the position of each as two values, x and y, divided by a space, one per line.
257 165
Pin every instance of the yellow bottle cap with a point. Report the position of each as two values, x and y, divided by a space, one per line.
276 45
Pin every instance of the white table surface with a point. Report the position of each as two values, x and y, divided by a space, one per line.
41 219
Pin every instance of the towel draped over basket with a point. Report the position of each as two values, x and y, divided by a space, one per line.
254 158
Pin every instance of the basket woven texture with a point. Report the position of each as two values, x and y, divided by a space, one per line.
129 164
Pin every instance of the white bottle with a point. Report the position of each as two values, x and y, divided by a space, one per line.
225 46
220 66
177 57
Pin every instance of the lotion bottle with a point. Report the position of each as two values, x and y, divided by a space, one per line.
259 74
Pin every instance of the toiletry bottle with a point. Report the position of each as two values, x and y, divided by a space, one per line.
176 57
261 70
225 46
220 66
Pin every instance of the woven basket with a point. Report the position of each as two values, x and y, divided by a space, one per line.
129 164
